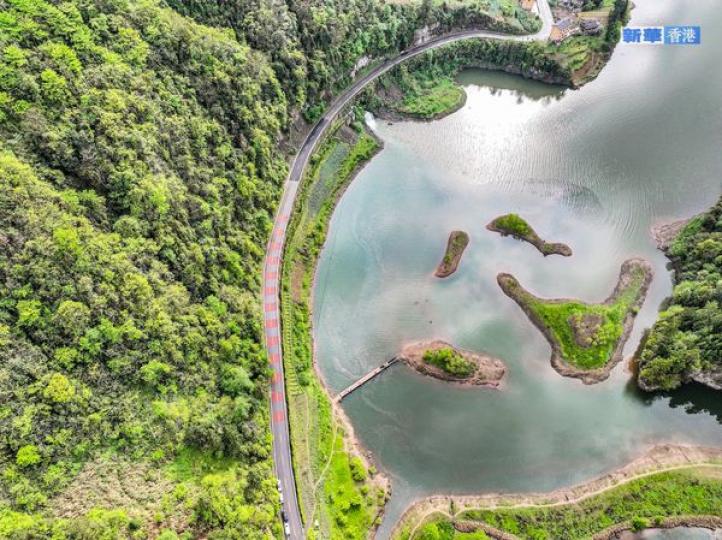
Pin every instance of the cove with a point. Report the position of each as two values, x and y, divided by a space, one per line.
594 168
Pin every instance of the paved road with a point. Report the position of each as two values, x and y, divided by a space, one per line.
271 270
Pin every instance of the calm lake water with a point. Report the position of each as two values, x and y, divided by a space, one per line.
594 168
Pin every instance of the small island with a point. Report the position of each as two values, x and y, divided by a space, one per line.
586 339
443 361
514 225
458 240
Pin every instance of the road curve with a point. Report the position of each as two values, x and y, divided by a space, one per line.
272 266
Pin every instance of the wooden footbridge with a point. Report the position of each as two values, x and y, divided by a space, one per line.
366 378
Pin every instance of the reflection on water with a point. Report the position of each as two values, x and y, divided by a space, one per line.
498 82
594 168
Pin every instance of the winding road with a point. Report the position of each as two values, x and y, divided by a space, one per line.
272 267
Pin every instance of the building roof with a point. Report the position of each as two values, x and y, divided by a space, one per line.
565 24
590 24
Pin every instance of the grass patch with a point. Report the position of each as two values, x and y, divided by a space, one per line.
513 224
643 501
335 490
450 361
432 98
564 318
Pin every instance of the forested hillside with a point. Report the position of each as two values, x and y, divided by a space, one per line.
314 45
686 342
138 173
140 165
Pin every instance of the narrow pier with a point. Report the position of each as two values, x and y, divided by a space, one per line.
366 378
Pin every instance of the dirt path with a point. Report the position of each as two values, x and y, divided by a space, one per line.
660 458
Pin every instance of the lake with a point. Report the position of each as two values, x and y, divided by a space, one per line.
594 168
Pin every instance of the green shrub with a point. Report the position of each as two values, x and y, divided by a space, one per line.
450 361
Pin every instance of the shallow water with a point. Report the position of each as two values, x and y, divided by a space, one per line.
593 168
675 534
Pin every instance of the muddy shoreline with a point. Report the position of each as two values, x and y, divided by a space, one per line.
655 459
489 371
509 284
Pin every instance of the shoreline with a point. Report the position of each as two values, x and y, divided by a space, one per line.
350 440
655 459
388 114
412 356
617 532
560 365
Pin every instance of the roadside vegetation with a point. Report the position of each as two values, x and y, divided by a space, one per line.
686 340
314 47
335 488
585 336
450 361
641 503
516 226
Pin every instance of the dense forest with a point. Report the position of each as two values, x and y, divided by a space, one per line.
314 45
686 341
140 164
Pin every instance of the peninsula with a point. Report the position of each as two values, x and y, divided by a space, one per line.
443 361
586 339
516 226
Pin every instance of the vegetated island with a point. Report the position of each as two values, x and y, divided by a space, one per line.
458 240
684 343
443 361
514 225
586 339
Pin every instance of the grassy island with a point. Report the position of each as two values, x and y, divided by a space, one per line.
514 225
443 361
458 240
586 339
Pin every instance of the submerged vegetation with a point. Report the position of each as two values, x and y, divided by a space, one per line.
458 240
641 503
516 226
334 485
586 339
686 341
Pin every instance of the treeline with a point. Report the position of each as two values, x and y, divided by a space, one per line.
686 340
314 45
530 59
